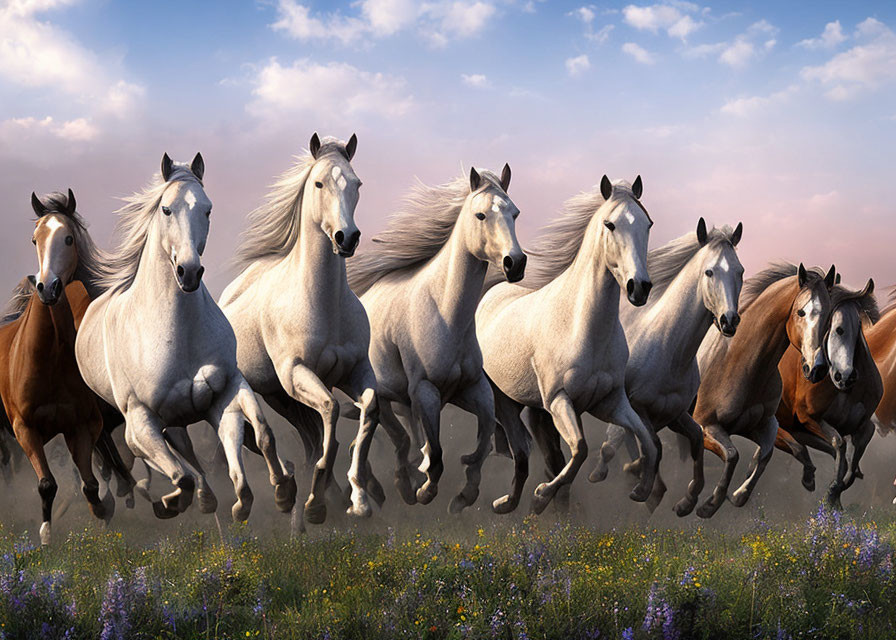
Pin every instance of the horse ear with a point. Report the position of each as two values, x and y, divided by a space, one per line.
70 205
167 167
738 232
837 279
801 276
701 231
869 288
606 187
475 179
314 145
637 188
32 280
505 177
830 277
351 146
198 166
39 209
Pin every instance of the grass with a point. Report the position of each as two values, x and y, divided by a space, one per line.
831 577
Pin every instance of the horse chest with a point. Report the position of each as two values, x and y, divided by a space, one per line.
191 394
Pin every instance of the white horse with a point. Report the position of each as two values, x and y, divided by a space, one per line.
420 284
697 280
555 342
301 332
156 346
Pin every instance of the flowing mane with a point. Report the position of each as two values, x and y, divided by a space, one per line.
428 215
559 242
134 220
665 263
867 303
891 301
274 226
91 259
754 287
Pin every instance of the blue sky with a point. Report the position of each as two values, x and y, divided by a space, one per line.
781 115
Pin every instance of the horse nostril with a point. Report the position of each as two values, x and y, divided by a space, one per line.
647 286
199 273
180 271
40 286
339 236
838 377
630 286
735 320
806 369
508 263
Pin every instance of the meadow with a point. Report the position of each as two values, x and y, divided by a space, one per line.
829 577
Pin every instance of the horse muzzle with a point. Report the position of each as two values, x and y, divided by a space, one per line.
189 279
345 243
817 371
637 291
514 267
727 323
847 381
49 294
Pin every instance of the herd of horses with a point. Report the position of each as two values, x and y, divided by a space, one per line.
443 307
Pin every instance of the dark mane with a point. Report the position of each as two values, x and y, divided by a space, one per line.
867 304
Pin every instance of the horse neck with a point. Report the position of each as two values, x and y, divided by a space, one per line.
455 278
47 326
320 273
590 290
762 333
679 319
89 282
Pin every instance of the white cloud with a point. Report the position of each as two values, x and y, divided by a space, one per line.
738 53
671 17
756 41
601 35
585 14
578 65
439 21
327 90
749 106
477 80
865 67
78 130
640 54
829 38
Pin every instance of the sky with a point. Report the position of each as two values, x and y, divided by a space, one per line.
779 115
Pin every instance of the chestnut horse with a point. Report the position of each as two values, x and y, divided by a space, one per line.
740 387
42 390
823 415
881 339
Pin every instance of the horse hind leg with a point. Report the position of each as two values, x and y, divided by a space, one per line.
402 443
548 439
687 427
788 444
765 438
615 436
860 441
651 450
180 441
81 448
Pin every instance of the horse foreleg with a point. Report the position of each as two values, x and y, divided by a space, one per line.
33 446
569 425
615 437
788 444
508 414
305 387
80 445
860 440
651 451
716 439
542 427
479 400
180 441
143 435
765 438
402 443
281 474
362 389
426 404
686 426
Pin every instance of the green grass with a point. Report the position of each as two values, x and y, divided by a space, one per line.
831 577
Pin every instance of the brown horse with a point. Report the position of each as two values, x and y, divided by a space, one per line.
740 387
40 384
823 415
881 339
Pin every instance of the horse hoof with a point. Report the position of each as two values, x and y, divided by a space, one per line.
739 498
315 513
405 490
633 467
142 488
461 502
45 533
427 492
684 506
599 474
285 494
240 512
708 509
162 512
360 510
129 501
107 508
541 498
506 504
640 493
208 503
375 491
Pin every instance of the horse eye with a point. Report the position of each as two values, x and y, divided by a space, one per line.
166 211
69 240
708 273
208 213
516 215
609 225
800 313
33 240
480 216
319 185
839 331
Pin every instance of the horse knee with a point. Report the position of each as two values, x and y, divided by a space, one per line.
731 455
579 449
46 488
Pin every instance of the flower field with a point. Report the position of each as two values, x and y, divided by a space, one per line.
831 577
